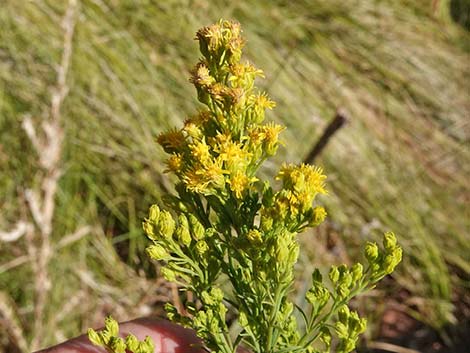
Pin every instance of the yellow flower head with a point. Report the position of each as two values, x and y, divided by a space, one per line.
233 154
319 214
201 75
174 163
219 91
171 141
243 75
192 129
195 181
255 237
303 178
301 185
263 102
201 117
200 151
271 132
256 136
213 173
239 182
211 36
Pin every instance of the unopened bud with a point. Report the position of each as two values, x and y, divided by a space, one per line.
371 252
389 241
334 274
132 343
242 319
157 252
166 224
95 337
319 215
112 326
182 231
201 247
149 229
255 237
117 345
154 213
197 228
168 274
357 271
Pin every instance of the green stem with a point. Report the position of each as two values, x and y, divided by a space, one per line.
274 310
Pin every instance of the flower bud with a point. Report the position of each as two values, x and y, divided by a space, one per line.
112 326
325 336
157 252
166 224
266 223
206 298
132 343
341 330
201 247
182 231
334 274
357 271
255 237
342 290
346 279
197 228
294 253
95 337
318 216
362 325
217 294
214 322
168 274
149 229
282 249
344 314
117 345
146 345
371 252
242 319
389 241
316 276
154 214
391 261
210 232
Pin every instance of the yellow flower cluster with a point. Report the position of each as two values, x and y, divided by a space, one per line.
219 150
302 184
221 228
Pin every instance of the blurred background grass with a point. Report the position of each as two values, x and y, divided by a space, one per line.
400 68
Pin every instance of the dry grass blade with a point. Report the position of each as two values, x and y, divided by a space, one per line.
10 324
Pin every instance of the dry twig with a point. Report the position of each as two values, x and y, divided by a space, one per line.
41 201
10 323
339 120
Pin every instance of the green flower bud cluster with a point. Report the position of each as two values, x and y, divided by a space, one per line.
328 301
232 241
292 205
109 339
180 243
348 328
383 263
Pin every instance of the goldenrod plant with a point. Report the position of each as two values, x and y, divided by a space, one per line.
230 239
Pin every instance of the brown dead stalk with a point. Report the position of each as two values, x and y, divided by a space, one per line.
41 200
